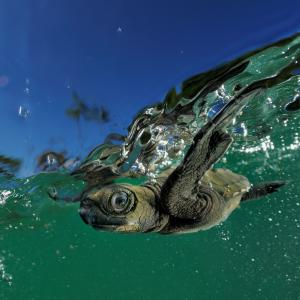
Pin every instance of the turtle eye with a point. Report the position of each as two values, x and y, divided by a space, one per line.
120 201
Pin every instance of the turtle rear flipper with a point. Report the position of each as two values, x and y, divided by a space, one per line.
263 189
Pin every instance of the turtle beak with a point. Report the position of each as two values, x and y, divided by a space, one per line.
92 215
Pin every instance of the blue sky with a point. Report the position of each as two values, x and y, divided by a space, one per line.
119 54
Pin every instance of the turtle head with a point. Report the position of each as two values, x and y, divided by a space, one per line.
122 208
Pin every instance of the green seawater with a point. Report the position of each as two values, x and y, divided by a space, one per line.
47 252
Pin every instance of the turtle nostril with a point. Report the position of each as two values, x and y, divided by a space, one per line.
86 202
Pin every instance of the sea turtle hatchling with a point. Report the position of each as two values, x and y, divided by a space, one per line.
189 198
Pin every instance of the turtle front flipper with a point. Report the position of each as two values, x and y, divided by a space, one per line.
211 141
204 153
262 189
190 202
187 196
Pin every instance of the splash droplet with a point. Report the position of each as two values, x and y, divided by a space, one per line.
23 112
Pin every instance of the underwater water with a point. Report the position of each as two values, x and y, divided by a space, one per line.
74 77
